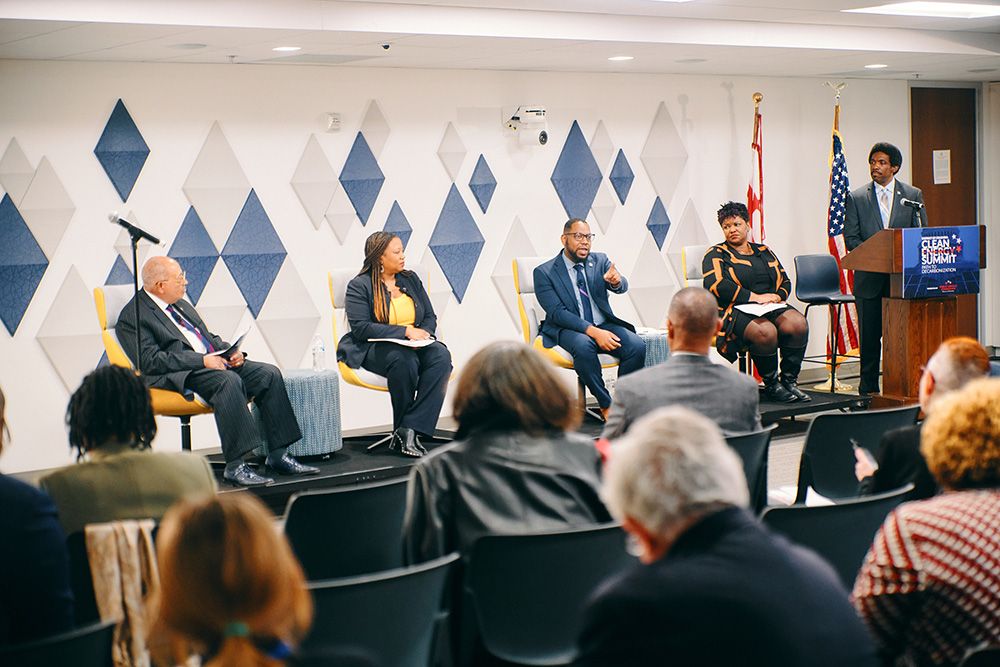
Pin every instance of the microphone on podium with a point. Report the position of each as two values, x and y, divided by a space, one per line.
912 204
132 229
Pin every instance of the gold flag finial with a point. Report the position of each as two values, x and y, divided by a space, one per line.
836 87
757 97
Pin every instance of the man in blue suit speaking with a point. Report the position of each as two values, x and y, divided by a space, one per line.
572 288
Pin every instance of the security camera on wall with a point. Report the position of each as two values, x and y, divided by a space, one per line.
529 125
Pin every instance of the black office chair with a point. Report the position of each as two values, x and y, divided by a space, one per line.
347 531
528 592
387 617
89 646
753 449
817 283
842 533
827 463
986 656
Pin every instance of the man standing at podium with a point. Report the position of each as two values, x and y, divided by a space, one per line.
882 204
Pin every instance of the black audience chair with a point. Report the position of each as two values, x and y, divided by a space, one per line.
387 617
752 449
88 646
827 463
986 656
841 533
817 283
347 531
529 592
84 604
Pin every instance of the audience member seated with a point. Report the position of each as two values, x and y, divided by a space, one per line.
743 275
715 586
929 588
688 377
231 590
117 476
35 596
958 361
515 466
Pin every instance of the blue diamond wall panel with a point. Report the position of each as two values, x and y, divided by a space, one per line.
482 184
576 176
121 150
397 224
456 243
621 176
658 223
254 253
120 273
194 251
22 265
362 178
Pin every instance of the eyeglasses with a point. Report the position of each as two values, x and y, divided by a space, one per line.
180 279
580 237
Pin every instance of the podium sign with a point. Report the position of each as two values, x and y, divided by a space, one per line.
940 261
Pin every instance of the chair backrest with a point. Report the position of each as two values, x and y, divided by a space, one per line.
994 369
986 656
80 580
89 646
528 307
816 276
529 592
389 616
110 300
347 531
752 449
841 533
827 463
337 280
691 256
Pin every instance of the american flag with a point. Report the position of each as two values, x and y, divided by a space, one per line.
755 191
847 337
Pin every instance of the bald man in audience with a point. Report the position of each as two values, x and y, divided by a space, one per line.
956 362
688 377
715 586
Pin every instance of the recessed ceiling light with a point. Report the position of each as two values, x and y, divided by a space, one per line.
691 61
982 70
188 47
286 49
943 10
876 66
621 58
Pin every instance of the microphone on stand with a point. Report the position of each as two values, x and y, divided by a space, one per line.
917 207
136 232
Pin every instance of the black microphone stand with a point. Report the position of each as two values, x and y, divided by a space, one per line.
135 236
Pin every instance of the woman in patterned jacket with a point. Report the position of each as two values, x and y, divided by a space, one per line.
746 279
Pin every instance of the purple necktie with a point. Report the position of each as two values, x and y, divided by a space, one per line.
182 322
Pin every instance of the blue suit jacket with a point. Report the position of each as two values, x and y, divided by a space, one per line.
557 296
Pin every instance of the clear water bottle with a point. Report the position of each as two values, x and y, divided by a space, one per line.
319 354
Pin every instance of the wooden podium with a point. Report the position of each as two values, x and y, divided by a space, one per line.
912 329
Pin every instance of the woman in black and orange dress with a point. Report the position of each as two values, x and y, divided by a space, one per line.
739 272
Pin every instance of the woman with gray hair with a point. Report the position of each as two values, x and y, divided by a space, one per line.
716 587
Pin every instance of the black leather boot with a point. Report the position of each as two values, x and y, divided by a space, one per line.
773 390
791 364
405 442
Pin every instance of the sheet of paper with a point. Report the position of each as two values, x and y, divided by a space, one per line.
942 166
405 342
759 309
225 354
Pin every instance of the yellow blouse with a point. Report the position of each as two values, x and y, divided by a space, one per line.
401 311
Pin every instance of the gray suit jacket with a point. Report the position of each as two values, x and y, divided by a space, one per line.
727 397
862 221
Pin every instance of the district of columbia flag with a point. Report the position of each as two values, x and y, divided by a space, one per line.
847 337
755 191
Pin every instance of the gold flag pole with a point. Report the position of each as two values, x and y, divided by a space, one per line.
827 384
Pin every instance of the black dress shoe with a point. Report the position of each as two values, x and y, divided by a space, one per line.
287 465
791 384
406 443
244 475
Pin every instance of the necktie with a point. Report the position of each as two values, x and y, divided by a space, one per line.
184 324
883 206
581 284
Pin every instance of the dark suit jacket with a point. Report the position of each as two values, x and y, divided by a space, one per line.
166 356
863 220
728 592
557 296
35 596
728 398
899 463
359 305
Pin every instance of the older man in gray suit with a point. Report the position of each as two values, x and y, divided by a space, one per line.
688 377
